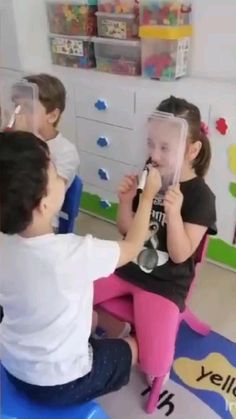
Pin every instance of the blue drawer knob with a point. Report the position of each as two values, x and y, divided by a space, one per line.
101 105
103 142
105 204
103 174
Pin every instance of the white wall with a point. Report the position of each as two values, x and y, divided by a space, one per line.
214 46
214 53
9 57
32 29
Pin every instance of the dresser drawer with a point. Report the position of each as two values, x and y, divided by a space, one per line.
98 202
111 142
103 173
105 103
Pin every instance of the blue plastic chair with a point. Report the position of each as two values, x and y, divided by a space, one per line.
71 206
15 405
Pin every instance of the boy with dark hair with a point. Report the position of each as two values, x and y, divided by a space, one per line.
46 282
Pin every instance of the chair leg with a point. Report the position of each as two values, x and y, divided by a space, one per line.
195 324
154 394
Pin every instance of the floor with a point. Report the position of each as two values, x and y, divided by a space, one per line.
214 299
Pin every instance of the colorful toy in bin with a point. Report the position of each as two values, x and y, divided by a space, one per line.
73 19
156 66
165 12
76 52
118 56
165 51
117 26
119 6
120 66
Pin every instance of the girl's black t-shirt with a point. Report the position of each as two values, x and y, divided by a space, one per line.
153 270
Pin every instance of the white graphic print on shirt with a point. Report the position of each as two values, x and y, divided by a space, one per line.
154 253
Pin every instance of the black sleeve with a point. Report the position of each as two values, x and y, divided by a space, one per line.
200 208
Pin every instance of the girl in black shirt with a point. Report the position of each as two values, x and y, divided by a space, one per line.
179 223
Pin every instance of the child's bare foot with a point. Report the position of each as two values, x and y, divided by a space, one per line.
125 331
113 327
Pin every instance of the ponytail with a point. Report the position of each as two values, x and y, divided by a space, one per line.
202 161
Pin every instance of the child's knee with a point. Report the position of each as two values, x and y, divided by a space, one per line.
132 342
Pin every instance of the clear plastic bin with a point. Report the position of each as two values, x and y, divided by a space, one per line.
118 6
165 12
165 59
76 52
74 18
118 57
117 26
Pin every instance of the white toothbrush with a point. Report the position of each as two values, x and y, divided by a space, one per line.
13 117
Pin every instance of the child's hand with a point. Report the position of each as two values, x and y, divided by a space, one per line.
173 201
153 184
128 188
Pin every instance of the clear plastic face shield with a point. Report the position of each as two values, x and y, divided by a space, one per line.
18 106
166 144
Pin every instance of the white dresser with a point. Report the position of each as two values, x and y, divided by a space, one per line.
106 133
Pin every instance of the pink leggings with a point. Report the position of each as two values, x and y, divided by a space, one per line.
154 317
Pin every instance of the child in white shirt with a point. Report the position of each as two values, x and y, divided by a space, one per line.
46 283
52 102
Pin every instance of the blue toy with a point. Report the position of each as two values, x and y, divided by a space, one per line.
103 174
104 203
102 142
70 208
15 405
101 105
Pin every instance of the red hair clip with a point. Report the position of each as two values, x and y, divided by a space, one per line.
204 128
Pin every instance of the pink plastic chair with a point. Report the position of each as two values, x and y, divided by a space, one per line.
167 330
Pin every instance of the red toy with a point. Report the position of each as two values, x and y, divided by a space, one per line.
222 126
159 62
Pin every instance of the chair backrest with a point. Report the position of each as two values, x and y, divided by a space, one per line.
71 206
198 259
201 250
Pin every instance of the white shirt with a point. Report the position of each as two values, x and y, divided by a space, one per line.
46 290
65 157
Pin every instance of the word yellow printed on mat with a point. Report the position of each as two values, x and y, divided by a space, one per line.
213 373
232 158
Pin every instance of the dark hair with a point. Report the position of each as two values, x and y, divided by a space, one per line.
24 162
190 112
52 93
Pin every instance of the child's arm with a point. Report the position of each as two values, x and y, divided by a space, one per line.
126 193
182 238
125 217
135 238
